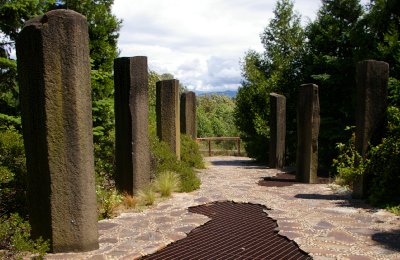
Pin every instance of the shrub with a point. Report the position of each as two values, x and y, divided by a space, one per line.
190 153
188 178
16 240
12 173
166 183
394 209
384 170
107 201
349 163
165 160
381 167
384 166
104 157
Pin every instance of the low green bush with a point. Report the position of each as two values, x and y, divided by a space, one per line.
349 164
165 160
383 168
190 152
13 175
107 201
384 171
16 240
188 177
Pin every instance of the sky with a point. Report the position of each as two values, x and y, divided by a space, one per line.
200 42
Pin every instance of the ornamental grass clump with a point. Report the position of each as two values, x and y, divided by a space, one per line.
166 183
129 201
147 196
165 160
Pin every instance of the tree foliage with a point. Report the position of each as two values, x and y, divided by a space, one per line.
215 116
103 35
276 70
383 166
325 52
13 14
330 64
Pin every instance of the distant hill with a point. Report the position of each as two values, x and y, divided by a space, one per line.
229 93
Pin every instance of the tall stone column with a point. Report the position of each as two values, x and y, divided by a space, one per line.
372 80
188 114
307 133
277 125
54 79
132 147
168 115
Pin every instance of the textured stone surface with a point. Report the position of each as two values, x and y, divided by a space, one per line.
277 124
168 114
372 80
54 79
307 133
217 183
132 147
188 114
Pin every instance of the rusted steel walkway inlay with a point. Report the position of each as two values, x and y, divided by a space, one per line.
235 231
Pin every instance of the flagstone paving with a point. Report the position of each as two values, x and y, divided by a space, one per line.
322 219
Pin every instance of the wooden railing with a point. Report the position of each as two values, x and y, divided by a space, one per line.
210 139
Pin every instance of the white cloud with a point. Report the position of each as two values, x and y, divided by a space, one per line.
200 42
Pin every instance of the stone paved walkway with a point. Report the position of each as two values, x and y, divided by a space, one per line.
323 222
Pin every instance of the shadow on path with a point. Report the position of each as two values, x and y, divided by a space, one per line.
323 197
286 179
391 240
237 162
343 200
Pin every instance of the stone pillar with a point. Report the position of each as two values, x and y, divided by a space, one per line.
372 80
277 125
188 114
132 147
54 79
168 116
307 133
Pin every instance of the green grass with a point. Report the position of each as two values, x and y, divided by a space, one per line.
166 183
147 196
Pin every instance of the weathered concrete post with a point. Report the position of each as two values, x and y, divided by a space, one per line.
277 125
54 76
372 80
132 147
188 114
307 133
168 116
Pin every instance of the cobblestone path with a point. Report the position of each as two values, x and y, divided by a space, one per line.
322 220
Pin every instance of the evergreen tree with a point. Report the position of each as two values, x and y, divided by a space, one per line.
251 112
103 36
330 64
377 37
276 70
13 15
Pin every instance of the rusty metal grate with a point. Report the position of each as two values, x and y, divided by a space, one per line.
236 231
